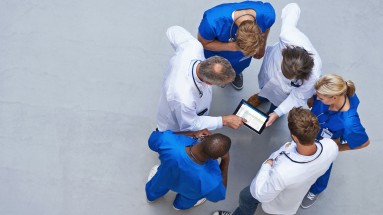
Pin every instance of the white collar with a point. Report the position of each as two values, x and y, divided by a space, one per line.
292 152
197 80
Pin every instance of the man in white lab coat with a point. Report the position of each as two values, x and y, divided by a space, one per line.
286 176
289 70
187 92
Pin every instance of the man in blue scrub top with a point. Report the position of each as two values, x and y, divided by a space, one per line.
189 167
236 31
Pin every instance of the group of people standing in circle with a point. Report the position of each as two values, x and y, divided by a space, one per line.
290 79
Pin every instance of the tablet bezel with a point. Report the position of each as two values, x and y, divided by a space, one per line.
243 102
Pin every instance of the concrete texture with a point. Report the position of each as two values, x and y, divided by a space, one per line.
79 86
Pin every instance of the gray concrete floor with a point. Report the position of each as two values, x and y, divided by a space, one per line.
79 86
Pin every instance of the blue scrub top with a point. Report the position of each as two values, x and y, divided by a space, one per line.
180 174
217 21
344 125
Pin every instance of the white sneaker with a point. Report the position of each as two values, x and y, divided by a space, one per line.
200 202
222 213
309 200
153 171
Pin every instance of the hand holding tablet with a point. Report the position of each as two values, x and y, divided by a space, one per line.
255 118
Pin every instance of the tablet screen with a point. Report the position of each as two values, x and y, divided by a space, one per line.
256 119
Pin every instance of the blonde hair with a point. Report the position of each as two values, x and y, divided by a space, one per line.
249 37
334 85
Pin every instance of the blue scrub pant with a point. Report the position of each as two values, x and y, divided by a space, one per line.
180 202
247 203
321 182
272 106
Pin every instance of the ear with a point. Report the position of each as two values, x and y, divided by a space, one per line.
335 97
294 138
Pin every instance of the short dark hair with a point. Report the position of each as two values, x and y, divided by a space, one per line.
303 124
297 63
216 70
216 145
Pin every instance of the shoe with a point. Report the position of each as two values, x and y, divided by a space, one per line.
238 82
254 100
200 202
153 171
309 200
222 213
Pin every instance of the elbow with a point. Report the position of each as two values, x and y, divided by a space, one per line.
365 144
261 196
203 42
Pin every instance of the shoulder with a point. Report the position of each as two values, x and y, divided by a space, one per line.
264 8
220 10
351 117
354 101
328 144
162 137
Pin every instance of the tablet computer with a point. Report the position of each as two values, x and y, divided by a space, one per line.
256 119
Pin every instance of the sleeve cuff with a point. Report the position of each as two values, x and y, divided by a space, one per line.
219 122
279 112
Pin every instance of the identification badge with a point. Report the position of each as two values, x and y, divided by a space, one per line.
326 133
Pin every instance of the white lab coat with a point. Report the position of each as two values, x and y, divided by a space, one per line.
273 84
180 100
281 187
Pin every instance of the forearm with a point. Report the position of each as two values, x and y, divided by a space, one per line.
262 188
188 119
224 166
346 147
296 98
216 45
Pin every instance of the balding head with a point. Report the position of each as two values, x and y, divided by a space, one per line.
217 71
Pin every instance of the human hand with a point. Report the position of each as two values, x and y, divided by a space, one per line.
233 121
260 53
272 117
310 102
269 161
202 133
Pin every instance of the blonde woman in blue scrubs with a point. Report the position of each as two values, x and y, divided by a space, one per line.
335 105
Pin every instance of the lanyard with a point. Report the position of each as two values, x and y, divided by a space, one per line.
199 91
303 162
